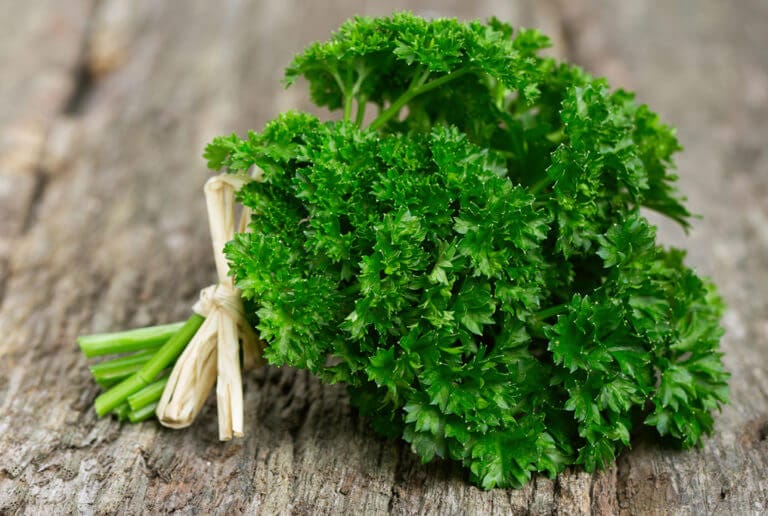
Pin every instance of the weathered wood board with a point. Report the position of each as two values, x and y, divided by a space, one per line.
104 109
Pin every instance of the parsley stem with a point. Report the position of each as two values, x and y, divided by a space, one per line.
148 394
414 91
115 370
540 185
348 106
361 104
121 411
142 414
106 384
162 359
135 358
419 78
348 95
126 341
551 311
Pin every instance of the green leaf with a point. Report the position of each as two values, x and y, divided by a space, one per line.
474 306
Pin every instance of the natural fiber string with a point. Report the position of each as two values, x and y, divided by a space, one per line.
214 351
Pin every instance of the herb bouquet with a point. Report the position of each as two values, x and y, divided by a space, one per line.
469 257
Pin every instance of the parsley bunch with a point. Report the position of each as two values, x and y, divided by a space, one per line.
474 263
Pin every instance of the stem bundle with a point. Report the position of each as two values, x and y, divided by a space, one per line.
134 383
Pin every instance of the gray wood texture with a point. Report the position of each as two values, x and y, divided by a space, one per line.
104 109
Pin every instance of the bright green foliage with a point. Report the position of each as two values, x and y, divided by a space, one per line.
474 264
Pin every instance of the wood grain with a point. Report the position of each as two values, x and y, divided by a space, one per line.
102 228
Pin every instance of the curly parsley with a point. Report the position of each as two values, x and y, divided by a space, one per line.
474 263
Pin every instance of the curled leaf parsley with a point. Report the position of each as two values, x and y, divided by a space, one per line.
474 263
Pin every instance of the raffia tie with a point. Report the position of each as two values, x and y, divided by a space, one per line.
213 354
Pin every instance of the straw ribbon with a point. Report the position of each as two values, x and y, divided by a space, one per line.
213 354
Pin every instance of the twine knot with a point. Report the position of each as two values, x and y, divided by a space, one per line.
221 296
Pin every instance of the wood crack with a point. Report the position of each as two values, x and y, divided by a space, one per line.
395 489
84 84
84 78
4 276
41 181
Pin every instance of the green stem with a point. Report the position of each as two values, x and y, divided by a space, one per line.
348 95
105 384
540 185
361 103
551 311
412 92
162 359
114 363
348 99
126 341
144 413
119 368
117 374
121 411
362 73
537 332
148 394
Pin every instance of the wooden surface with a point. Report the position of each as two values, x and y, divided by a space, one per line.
104 110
